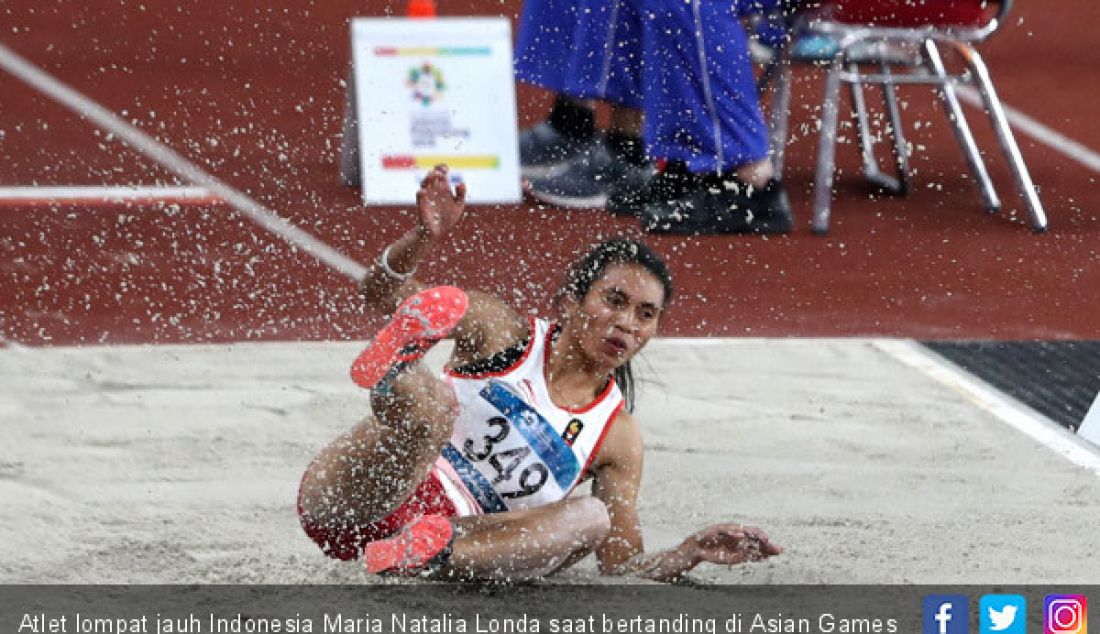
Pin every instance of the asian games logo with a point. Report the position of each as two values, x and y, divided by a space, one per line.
426 83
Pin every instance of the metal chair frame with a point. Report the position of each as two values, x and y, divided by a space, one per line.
902 56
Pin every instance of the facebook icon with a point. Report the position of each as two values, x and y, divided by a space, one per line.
946 614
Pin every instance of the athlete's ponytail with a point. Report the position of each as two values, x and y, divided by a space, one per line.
585 271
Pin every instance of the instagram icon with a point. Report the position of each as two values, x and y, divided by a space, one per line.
1065 614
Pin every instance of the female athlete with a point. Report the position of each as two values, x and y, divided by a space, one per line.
469 476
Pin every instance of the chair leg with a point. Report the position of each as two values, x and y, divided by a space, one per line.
897 130
826 151
866 140
1008 141
863 126
962 131
781 109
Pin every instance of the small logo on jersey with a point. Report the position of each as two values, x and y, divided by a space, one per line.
572 430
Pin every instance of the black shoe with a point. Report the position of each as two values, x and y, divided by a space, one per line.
585 180
543 148
629 197
722 205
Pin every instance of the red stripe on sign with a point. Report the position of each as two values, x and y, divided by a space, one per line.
398 162
385 51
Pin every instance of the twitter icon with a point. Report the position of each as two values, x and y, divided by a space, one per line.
1002 614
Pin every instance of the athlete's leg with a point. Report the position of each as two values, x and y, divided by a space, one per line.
366 473
527 544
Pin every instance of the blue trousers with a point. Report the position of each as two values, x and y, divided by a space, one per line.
582 49
685 64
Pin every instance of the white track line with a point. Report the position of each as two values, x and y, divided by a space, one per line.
177 164
1041 133
104 194
1005 408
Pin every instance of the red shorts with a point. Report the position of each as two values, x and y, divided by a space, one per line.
346 542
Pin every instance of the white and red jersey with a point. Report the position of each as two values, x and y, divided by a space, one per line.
512 448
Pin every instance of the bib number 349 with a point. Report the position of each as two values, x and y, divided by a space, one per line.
506 461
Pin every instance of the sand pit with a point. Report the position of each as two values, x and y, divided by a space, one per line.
179 464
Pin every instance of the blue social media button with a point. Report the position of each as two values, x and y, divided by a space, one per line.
1002 614
946 614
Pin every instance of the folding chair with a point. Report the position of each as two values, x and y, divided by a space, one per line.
902 41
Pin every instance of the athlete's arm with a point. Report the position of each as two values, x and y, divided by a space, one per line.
489 325
618 478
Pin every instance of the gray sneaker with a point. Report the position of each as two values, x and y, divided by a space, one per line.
542 149
585 180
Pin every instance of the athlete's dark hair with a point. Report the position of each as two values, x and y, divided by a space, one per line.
585 271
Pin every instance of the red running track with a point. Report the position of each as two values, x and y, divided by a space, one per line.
253 94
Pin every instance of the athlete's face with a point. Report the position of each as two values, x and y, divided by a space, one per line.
619 315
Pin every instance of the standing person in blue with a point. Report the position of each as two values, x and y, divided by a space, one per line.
687 66
473 475
578 51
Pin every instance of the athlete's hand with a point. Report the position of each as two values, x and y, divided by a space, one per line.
731 544
440 208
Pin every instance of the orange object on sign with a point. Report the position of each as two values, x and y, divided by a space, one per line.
421 9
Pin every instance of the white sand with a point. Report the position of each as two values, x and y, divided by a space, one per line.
180 464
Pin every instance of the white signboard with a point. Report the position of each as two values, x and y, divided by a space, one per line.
435 91
1090 427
